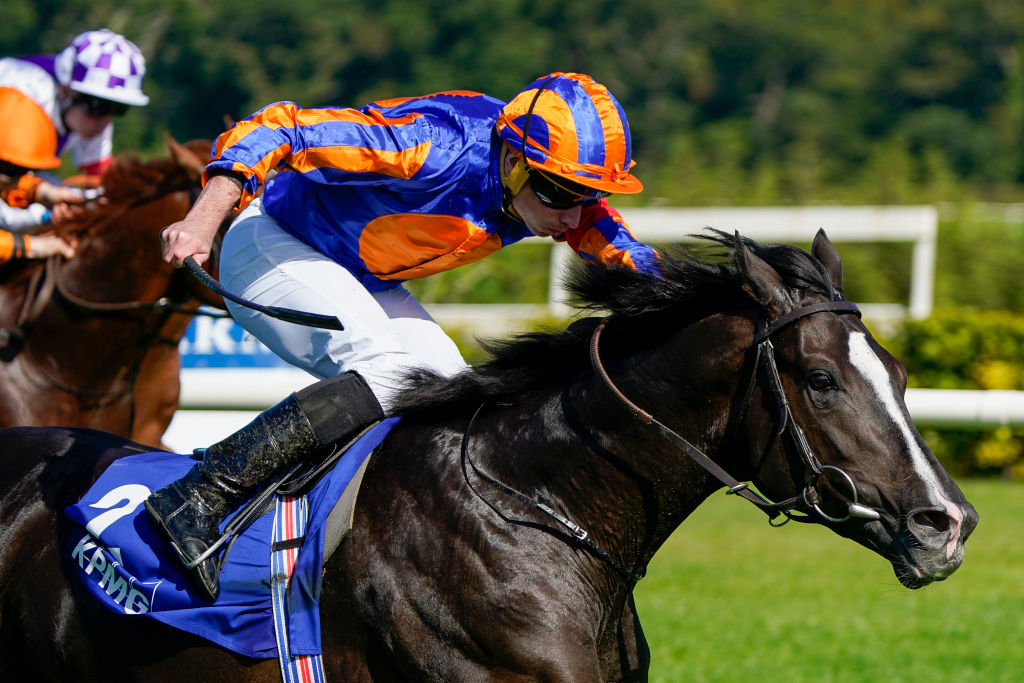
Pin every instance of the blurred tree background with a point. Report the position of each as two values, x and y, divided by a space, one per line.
731 102
775 101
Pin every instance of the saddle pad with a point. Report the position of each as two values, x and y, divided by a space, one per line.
125 563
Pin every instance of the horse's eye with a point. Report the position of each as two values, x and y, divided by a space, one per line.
819 380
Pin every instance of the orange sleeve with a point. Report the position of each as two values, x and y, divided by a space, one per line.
332 146
6 246
24 193
603 236
13 246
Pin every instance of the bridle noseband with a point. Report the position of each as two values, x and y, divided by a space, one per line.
786 424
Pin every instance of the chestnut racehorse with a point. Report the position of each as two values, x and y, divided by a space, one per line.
93 341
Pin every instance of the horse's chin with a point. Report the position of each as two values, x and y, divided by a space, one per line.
914 576
911 578
915 566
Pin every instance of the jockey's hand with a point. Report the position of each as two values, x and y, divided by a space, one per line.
67 212
186 238
44 246
51 195
194 235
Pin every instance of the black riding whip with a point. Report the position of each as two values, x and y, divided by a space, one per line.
326 322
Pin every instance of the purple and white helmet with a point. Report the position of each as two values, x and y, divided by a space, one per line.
103 64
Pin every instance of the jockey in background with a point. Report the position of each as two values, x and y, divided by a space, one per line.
81 90
362 200
30 145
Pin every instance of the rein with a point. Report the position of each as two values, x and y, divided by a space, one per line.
46 280
39 290
163 304
766 357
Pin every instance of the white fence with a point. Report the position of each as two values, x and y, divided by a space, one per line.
912 224
219 401
215 402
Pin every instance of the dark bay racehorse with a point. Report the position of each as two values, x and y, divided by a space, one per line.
92 342
501 528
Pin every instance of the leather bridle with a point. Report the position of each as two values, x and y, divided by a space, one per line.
765 358
807 498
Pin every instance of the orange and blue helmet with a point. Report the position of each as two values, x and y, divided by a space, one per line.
573 128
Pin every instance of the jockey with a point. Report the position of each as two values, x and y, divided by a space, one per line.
31 145
81 89
362 200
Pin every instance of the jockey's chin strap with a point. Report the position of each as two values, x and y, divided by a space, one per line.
511 183
808 498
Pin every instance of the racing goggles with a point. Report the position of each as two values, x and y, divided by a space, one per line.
560 193
97 106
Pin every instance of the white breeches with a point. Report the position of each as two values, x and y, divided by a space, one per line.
386 333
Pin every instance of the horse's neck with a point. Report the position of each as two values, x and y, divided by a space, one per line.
612 471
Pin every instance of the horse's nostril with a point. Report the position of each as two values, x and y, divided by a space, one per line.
936 519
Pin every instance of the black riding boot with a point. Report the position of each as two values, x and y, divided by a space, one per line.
299 428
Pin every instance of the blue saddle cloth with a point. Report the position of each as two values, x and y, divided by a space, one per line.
125 563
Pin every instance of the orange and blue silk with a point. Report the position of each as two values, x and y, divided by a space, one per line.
399 189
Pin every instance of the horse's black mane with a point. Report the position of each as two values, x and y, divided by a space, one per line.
694 286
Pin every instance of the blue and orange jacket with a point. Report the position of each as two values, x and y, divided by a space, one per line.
399 189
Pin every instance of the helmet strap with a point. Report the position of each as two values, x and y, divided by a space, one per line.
517 177
529 117
511 183
520 173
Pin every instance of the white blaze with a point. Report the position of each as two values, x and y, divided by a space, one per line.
871 367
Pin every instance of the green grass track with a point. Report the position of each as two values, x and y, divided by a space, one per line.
728 598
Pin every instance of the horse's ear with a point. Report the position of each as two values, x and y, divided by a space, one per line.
826 253
761 281
229 122
185 157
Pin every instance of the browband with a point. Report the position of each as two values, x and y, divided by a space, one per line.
797 313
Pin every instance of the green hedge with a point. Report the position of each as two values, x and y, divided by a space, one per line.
953 349
965 349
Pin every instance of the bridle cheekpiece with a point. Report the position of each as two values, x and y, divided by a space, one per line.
786 424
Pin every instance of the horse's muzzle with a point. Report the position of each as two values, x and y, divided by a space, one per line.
934 539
